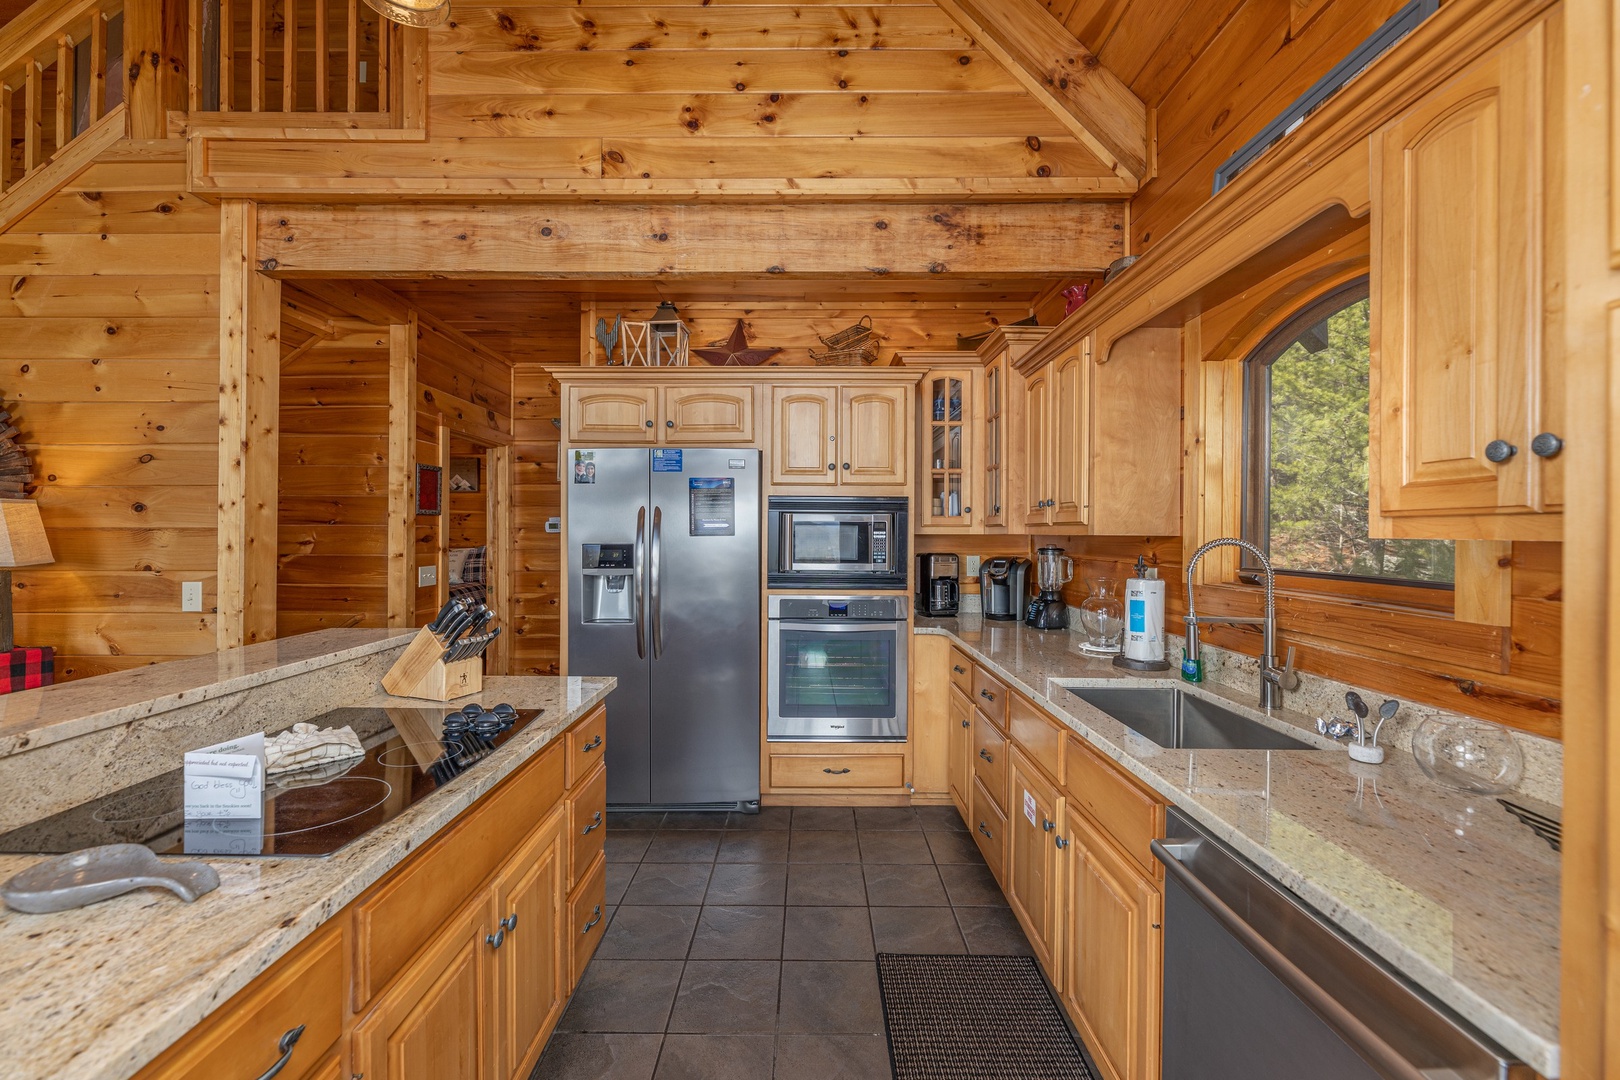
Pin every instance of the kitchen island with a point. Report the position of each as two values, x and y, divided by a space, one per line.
1447 888
100 992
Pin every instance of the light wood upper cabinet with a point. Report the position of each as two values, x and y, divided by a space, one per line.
949 425
804 435
1034 878
432 1022
1070 437
623 415
1113 960
531 899
825 435
997 412
707 415
1036 444
1458 186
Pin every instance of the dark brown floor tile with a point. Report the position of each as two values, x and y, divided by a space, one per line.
727 997
992 931
954 847
738 933
941 819
675 845
618 880
823 846
716 1057
635 820
971 886
648 933
623 996
572 1055
828 998
887 818
755 847
916 930
747 883
694 819
903 885
825 884
664 884
624 845
827 933
895 847
768 818
823 817
832 1057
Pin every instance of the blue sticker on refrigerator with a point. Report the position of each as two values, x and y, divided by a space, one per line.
666 461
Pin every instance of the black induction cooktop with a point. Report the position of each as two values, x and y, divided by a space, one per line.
410 754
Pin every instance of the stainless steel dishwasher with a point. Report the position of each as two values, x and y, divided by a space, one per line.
1257 985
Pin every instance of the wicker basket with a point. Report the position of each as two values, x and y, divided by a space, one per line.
853 346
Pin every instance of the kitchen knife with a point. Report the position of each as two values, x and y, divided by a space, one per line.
481 619
438 623
457 627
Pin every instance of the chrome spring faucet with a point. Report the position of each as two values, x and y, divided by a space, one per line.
1273 679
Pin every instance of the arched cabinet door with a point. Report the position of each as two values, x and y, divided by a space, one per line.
617 415
874 424
804 435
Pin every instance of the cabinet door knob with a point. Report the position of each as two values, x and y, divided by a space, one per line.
846 465
649 423
509 923
1499 450
669 423
966 723
967 509
1047 826
285 1046
497 939
831 467
1059 842
1546 445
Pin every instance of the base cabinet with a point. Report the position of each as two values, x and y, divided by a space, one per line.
533 965
961 748
1034 868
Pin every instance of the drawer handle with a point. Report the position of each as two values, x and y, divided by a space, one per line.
497 939
986 755
596 823
596 917
959 669
288 1041
835 772
1060 842
986 831
509 923
592 745
987 695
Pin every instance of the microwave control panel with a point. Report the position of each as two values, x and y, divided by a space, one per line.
880 544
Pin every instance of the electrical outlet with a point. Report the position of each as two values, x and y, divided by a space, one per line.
191 596
972 566
554 525
426 575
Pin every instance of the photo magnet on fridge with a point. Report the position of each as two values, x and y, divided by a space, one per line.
584 466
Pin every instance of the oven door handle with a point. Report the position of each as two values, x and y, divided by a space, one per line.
1345 1023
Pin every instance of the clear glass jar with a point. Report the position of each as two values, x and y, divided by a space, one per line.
1102 617
1473 755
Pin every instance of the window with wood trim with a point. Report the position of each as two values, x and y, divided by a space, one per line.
1306 456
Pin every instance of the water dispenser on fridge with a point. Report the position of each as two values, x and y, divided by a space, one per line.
607 583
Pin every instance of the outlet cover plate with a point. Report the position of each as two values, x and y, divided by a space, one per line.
972 566
426 575
191 596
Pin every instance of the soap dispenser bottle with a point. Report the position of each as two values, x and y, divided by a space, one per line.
1143 648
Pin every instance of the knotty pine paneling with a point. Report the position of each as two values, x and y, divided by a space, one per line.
109 344
537 555
333 482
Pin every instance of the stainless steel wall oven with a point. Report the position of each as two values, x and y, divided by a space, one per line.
837 668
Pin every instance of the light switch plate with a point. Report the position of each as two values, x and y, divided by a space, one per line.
426 575
972 566
191 596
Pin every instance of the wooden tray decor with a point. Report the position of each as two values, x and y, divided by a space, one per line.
852 346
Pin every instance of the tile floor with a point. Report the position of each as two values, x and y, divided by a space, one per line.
742 947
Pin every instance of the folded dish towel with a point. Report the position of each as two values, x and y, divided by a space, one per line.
306 745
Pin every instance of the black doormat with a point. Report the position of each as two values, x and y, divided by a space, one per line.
974 1018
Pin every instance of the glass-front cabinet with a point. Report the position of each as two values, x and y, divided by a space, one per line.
948 490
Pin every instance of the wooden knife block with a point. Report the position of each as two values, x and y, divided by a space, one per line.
421 672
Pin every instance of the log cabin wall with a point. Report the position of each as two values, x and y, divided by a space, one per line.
109 348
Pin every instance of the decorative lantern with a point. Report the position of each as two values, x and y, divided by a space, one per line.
669 337
412 12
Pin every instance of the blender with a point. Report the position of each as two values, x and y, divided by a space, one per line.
1053 570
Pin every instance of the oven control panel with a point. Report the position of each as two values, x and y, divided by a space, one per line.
844 608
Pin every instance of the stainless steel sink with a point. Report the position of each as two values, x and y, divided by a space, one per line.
1181 721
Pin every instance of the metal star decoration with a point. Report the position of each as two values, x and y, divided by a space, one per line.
734 352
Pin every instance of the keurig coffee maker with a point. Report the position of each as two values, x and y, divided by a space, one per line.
937 590
1053 570
1001 588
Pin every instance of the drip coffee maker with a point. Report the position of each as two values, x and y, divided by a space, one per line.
1053 570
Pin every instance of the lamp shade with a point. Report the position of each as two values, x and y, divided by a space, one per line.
412 12
22 534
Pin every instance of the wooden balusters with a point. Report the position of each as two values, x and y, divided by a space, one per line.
64 92
97 83
351 58
33 114
289 55
323 56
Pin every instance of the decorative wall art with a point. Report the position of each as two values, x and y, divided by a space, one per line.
734 351
465 474
429 491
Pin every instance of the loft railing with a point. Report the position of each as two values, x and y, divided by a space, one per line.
305 57
61 70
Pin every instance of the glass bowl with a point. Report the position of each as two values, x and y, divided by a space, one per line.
1473 755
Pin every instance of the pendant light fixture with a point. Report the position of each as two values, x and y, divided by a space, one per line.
412 12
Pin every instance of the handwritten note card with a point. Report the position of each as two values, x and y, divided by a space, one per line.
226 780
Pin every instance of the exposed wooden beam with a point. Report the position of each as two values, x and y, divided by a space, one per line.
1040 53
988 240
249 418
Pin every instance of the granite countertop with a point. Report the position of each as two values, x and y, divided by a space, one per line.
95 994
1447 887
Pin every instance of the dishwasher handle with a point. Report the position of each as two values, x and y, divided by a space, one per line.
1349 1027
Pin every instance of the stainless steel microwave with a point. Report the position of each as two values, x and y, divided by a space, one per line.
847 543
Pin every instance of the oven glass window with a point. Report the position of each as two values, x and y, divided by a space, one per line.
830 542
837 675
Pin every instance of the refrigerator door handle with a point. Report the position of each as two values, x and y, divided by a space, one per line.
639 559
656 561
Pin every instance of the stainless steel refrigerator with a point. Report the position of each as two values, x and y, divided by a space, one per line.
664 594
